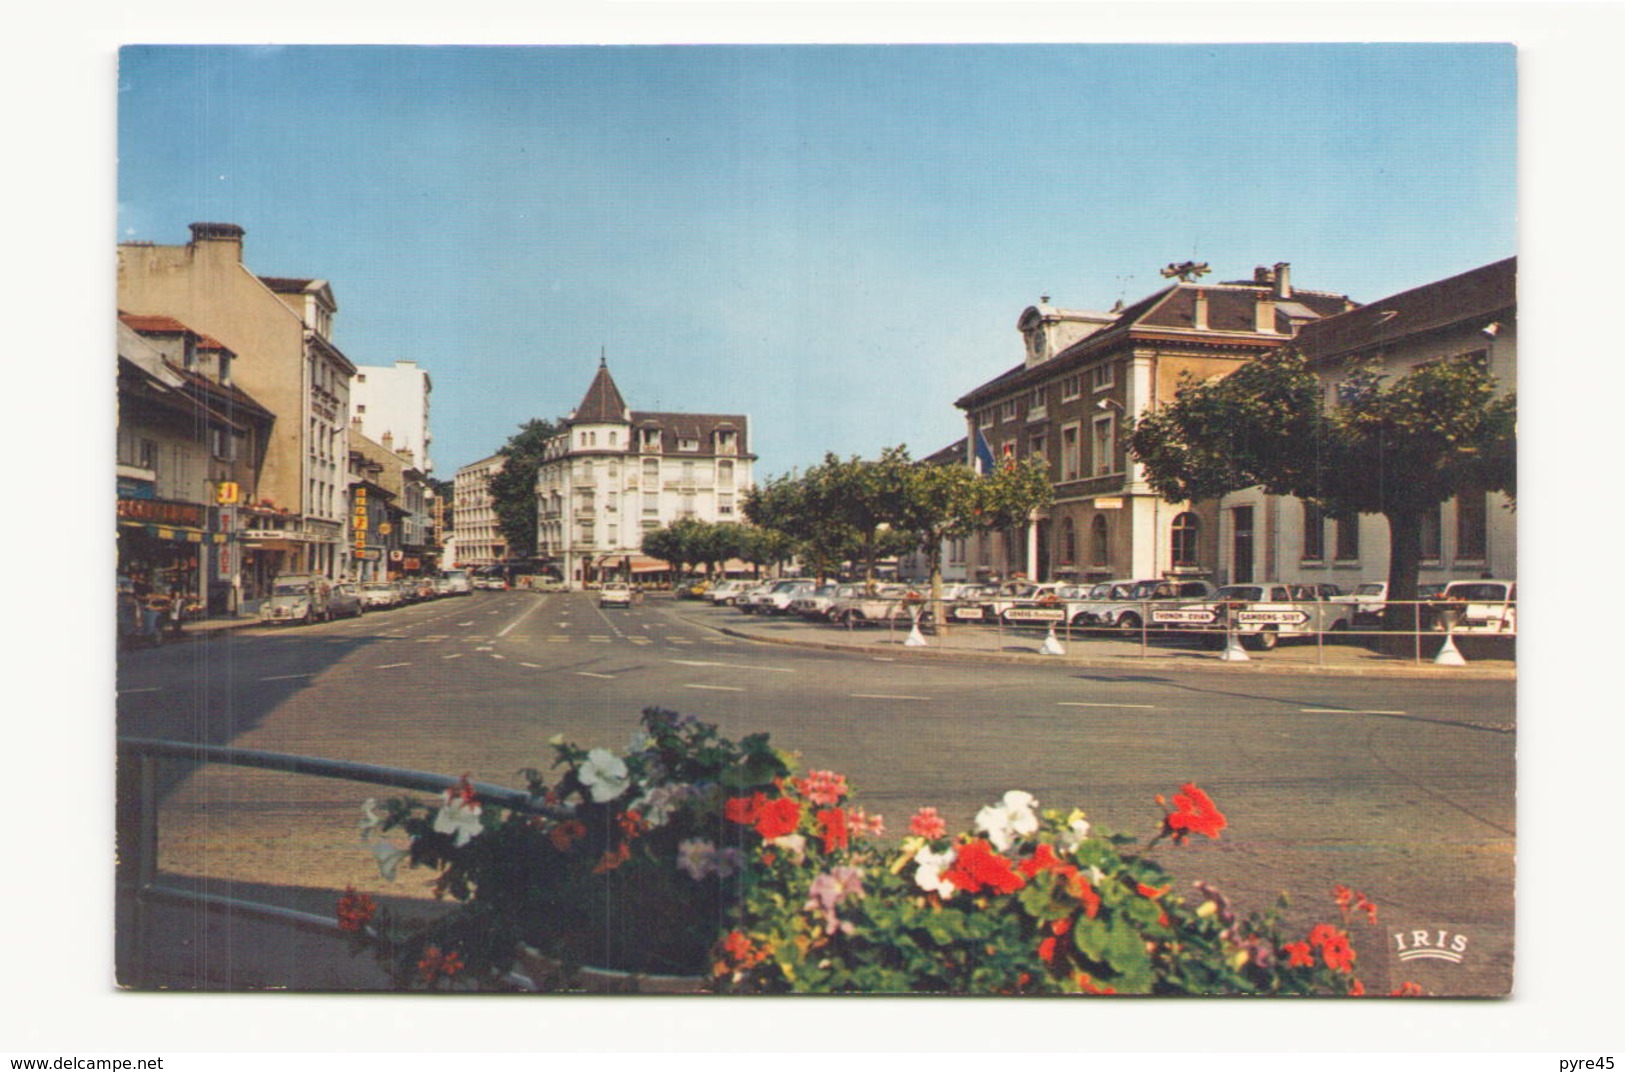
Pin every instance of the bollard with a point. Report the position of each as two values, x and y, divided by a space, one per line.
1233 651
915 640
1448 655
1051 646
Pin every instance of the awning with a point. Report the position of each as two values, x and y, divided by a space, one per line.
177 533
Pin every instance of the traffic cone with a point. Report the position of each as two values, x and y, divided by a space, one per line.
1448 655
1051 646
1233 651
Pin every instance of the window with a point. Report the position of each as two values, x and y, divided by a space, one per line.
1432 534
1105 460
688 474
651 440
1100 377
1035 448
688 443
651 503
1071 459
1472 524
1186 530
1348 538
1071 387
1314 532
1069 542
361 407
612 438
725 504
984 419
725 474
1035 405
727 442
1007 410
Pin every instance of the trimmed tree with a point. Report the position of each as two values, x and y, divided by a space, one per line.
1395 446
513 489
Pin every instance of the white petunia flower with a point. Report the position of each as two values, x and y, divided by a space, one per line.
928 876
459 819
389 858
604 774
1077 831
1016 815
794 844
370 819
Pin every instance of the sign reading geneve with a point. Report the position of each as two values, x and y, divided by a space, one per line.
1035 614
1193 616
1271 617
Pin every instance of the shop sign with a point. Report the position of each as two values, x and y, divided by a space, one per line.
161 511
411 564
368 554
228 519
227 492
225 561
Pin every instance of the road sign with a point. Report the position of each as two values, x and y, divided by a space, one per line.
1192 616
1035 614
1271 617
965 614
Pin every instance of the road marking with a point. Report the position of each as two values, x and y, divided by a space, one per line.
884 696
485 647
884 659
558 640
505 630
457 655
589 673
730 666
677 640
131 692
600 639
284 677
494 655
640 640
1343 711
390 666
1138 706
533 666
715 688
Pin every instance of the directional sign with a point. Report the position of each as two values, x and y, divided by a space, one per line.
1271 617
1035 614
1192 616
966 614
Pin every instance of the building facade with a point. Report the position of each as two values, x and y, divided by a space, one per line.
190 444
280 330
1083 373
394 401
480 541
1267 537
616 473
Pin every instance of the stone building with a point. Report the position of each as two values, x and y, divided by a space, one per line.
1065 404
615 473
480 541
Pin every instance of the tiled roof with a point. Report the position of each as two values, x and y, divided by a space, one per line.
953 454
698 426
151 324
1483 292
603 401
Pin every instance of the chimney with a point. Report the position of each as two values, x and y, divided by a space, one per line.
1262 276
387 441
219 239
1264 316
1199 314
1283 281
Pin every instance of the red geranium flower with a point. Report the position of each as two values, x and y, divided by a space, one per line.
355 910
778 818
1194 813
977 867
1299 955
742 810
566 834
1046 950
832 828
1407 990
1339 954
927 824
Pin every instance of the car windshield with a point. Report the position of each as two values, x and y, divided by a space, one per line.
1485 593
291 590
378 586
1370 590
1241 592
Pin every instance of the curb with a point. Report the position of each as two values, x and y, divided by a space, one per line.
1119 662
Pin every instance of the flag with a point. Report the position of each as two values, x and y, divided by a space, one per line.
983 461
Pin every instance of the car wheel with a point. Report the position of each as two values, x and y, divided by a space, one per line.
1263 640
1129 623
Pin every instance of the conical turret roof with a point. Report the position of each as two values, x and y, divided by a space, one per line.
603 402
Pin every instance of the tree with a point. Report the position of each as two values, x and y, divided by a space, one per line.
513 489
1392 446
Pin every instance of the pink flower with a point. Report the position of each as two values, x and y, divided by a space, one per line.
822 787
864 824
927 824
828 890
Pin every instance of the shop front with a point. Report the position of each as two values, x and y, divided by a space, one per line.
164 548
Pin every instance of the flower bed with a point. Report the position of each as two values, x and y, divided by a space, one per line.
690 854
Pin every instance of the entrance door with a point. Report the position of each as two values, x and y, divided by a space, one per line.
1242 558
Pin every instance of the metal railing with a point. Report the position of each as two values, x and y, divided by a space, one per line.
138 833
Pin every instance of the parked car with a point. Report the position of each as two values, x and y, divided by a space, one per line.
457 582
344 601
380 595
963 602
297 597
615 594
1129 610
1370 600
776 598
1263 614
1484 606
814 605
725 593
866 608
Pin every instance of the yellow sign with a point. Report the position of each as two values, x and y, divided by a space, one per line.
385 528
227 492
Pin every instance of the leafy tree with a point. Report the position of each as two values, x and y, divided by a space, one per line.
513 489
1392 446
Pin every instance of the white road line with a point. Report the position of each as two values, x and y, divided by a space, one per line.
504 631
884 659
1138 706
533 666
132 692
730 666
494 655
461 624
1343 711
284 677
884 696
485 647
390 666
600 639
457 655
715 688
589 673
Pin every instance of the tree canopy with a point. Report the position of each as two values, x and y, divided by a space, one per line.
513 489
1391 445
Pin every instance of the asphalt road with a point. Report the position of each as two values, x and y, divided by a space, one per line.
1401 788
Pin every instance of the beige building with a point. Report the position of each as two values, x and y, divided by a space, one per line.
1066 403
616 473
281 331
474 518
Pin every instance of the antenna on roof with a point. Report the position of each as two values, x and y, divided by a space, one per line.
602 363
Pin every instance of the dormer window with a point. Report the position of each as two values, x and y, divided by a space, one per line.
727 442
688 443
651 440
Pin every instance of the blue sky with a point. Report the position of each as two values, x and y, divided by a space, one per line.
835 241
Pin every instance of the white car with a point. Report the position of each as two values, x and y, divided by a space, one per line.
727 593
776 599
1264 614
615 594
1485 606
376 595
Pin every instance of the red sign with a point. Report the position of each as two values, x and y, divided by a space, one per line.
161 512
